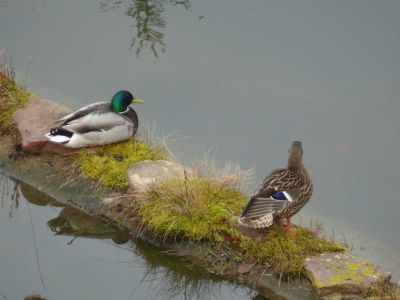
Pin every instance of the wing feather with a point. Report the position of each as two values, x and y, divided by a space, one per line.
262 203
100 107
93 117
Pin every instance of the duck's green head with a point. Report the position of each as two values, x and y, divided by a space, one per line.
122 99
295 154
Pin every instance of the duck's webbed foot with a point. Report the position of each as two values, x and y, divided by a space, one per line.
286 224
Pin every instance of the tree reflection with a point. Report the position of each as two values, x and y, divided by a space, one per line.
149 21
9 189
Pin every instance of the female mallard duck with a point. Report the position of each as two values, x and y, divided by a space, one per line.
282 194
98 123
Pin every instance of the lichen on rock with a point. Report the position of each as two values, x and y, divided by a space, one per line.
343 273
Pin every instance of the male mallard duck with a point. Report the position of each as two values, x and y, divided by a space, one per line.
282 194
98 123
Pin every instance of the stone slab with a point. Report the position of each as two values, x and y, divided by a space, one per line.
142 175
343 273
34 121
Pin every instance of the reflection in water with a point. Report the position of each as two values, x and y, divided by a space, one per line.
73 222
9 192
167 276
165 273
149 22
172 275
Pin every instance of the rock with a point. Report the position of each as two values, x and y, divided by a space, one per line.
142 175
36 119
334 296
245 267
343 273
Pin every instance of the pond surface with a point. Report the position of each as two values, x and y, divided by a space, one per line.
62 253
240 81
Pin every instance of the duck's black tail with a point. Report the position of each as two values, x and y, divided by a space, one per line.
60 131
259 212
59 135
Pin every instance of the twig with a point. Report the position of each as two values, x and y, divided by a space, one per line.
36 247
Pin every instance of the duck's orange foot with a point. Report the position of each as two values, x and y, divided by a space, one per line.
286 224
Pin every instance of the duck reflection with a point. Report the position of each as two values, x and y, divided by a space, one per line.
73 222
149 21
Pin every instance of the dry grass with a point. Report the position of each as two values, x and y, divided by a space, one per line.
387 290
12 95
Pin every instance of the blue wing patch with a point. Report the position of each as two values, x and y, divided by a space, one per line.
279 196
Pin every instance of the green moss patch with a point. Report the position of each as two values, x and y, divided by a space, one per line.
285 252
108 164
12 95
199 209
195 208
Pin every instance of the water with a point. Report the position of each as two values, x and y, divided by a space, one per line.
243 80
64 254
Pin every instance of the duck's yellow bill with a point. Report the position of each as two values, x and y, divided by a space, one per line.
137 100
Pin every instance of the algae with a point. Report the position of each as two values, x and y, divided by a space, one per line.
12 95
108 164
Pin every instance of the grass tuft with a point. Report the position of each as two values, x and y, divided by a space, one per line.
195 208
203 210
108 164
12 95
385 290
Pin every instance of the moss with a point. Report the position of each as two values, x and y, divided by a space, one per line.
195 208
285 252
199 209
108 164
12 95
